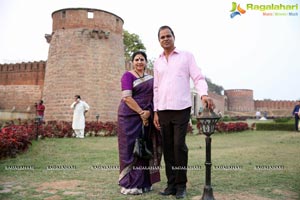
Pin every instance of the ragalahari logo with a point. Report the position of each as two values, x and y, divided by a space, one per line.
236 10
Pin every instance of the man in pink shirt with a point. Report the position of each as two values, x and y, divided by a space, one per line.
172 105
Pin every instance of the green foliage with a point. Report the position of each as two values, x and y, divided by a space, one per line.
279 124
194 121
283 120
274 127
132 43
212 87
150 64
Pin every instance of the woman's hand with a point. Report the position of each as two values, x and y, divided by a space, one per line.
145 114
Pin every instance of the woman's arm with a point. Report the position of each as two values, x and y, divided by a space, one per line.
132 104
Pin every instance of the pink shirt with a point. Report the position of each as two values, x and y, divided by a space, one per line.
172 81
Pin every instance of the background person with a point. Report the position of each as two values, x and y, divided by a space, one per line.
79 109
257 114
296 114
40 109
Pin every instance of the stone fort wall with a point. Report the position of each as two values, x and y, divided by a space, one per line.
86 57
240 100
22 84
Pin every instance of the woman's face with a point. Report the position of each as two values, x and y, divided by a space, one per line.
139 62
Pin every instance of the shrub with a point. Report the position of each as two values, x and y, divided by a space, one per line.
229 127
14 139
282 120
274 127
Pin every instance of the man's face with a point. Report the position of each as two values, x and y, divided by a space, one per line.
166 39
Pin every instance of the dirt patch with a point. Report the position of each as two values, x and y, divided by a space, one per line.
7 187
241 196
288 195
60 185
55 197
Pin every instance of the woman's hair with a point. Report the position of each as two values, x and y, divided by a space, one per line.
137 53
165 27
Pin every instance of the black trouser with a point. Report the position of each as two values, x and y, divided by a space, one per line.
174 125
296 122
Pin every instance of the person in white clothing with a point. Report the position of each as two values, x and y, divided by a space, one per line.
79 109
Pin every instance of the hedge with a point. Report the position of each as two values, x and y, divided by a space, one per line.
275 126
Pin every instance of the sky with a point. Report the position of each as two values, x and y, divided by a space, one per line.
249 51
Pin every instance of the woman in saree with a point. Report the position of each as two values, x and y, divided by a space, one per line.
136 112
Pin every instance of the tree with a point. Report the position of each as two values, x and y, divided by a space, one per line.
132 43
213 87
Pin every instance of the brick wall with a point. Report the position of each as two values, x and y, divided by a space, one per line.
240 100
19 97
21 85
31 73
83 60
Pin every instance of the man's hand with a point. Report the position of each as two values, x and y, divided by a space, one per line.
207 102
156 121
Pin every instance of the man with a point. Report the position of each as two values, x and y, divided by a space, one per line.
296 113
172 105
80 108
40 109
257 114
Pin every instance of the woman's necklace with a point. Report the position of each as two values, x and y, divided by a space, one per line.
139 74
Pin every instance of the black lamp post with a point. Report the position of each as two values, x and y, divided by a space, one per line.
208 120
37 121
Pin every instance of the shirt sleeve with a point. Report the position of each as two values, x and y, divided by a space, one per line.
72 105
197 77
86 106
155 88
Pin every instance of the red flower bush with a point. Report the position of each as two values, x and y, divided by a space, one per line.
14 139
101 129
229 127
56 129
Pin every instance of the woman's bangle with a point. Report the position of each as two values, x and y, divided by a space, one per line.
141 112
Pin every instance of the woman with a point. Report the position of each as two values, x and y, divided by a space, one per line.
135 111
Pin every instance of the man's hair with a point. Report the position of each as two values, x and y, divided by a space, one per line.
77 96
165 27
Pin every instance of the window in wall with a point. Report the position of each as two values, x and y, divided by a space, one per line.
63 14
90 15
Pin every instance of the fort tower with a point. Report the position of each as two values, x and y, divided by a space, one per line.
86 57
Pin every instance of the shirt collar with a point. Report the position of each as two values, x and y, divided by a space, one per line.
175 51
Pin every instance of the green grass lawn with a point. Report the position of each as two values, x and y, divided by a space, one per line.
256 165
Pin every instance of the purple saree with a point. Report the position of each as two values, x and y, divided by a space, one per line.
135 173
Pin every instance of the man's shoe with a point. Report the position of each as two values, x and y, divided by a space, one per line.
168 191
181 193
